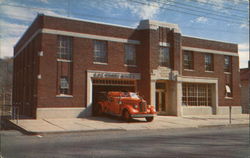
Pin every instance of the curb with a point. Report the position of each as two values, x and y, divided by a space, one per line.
225 125
26 132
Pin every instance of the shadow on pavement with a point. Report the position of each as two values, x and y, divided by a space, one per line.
113 119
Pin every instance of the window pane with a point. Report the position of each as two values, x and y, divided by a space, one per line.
196 94
227 64
130 55
64 85
187 60
208 62
100 51
64 47
164 59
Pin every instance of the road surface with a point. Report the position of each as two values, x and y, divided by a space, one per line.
193 142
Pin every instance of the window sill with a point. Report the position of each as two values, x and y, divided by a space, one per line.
227 72
99 63
64 60
188 69
228 97
209 71
130 65
64 96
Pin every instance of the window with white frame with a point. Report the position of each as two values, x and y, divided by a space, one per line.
64 44
196 94
130 54
64 85
100 51
164 57
209 62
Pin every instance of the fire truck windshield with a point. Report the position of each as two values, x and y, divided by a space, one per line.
134 95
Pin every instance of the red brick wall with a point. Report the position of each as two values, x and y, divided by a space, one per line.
199 67
209 44
25 78
82 61
88 27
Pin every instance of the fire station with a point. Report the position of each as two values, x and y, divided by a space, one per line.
60 64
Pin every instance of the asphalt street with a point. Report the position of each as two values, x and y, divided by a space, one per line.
190 142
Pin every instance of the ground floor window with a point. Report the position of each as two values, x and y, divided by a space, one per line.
196 94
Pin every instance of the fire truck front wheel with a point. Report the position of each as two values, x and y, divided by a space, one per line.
149 119
126 116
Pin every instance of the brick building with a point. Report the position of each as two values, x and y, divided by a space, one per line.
61 63
245 89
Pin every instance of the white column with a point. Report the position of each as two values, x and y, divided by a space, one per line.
216 98
89 94
152 92
89 90
179 98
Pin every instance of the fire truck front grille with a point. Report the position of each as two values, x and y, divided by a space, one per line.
143 106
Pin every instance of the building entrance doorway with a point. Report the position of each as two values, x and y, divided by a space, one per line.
160 100
160 97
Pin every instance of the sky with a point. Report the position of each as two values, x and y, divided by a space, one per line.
220 20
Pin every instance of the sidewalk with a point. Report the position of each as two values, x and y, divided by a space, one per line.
45 126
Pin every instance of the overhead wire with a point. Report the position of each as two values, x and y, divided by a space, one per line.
225 7
204 10
181 11
89 15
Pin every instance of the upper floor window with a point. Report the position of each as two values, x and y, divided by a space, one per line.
188 62
64 44
130 54
227 64
164 58
209 65
64 85
100 51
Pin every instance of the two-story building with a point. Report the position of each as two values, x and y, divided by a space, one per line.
60 64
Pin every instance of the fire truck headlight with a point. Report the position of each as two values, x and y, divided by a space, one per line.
135 106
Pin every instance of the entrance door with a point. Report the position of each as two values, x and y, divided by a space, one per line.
160 100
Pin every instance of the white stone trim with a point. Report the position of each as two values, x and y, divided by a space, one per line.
224 110
89 36
59 112
64 96
154 25
100 63
194 79
202 50
126 65
64 60
197 110
164 44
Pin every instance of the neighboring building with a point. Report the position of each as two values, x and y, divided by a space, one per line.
61 63
245 89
